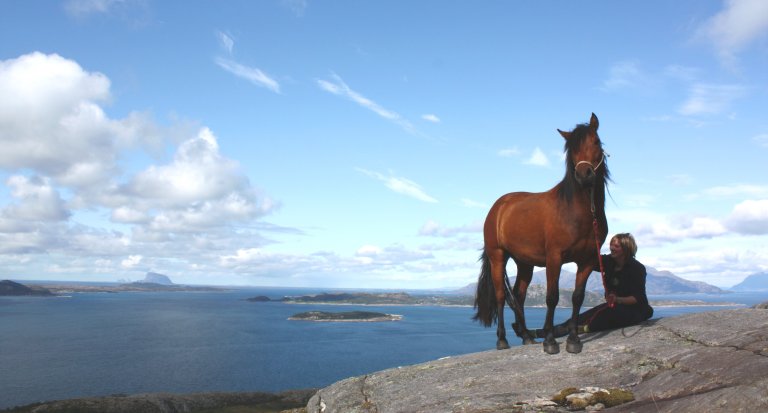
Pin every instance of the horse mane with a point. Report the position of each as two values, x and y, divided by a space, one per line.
568 186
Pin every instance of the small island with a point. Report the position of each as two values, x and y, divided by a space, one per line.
357 316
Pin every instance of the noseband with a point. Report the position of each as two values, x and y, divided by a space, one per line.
594 168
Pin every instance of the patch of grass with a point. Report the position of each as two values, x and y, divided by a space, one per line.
614 397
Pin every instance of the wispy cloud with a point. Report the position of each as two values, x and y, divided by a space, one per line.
337 87
400 185
761 139
298 7
431 118
435 229
710 99
735 27
626 75
251 74
85 7
469 203
509 152
538 158
226 41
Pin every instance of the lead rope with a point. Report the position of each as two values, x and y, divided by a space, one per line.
597 244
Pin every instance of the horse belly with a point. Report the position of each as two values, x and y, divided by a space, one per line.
521 232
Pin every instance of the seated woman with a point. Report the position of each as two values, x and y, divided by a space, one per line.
626 303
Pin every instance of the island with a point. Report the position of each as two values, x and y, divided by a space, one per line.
11 288
358 316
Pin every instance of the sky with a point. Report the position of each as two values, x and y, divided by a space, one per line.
360 144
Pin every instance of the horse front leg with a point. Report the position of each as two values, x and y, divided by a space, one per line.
551 346
573 343
519 291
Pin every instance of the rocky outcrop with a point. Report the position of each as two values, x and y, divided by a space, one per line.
704 362
176 403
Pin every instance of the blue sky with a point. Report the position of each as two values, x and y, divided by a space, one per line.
360 144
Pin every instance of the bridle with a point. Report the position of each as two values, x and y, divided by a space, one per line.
594 168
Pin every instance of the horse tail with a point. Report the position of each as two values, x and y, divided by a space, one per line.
485 298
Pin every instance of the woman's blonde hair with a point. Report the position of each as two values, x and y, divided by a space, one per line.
627 242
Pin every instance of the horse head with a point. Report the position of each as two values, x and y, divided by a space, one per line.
584 153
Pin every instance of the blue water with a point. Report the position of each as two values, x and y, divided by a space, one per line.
93 344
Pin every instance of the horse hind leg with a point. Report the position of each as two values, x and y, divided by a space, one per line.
498 262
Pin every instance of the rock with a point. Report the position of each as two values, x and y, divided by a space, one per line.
176 403
155 278
711 361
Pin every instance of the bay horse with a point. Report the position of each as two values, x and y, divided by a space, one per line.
547 229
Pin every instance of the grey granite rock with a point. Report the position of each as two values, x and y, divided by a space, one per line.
704 362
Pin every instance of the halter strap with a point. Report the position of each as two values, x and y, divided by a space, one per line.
594 168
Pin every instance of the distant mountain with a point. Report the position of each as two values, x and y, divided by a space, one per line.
664 282
755 282
155 278
656 283
11 288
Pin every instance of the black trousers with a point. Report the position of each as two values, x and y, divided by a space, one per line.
603 317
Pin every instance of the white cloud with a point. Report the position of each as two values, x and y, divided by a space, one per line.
225 41
626 75
737 190
435 229
401 185
679 229
298 7
38 200
431 118
709 99
86 7
338 87
538 158
749 217
761 139
735 27
251 74
509 152
469 203
51 121
72 196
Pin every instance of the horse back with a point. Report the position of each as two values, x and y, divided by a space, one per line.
530 226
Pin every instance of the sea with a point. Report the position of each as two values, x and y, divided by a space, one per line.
98 344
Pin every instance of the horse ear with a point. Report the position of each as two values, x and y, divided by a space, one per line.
565 135
593 122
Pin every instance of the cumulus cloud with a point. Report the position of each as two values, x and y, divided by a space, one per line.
680 228
400 185
431 118
749 217
251 74
731 30
73 196
538 158
37 200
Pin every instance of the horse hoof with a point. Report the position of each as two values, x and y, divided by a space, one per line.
528 340
551 348
573 347
502 345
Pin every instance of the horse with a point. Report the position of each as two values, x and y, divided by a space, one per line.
564 224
